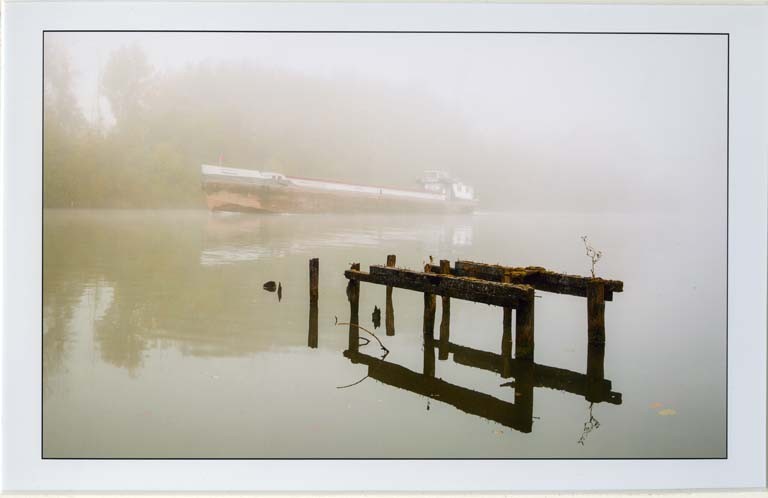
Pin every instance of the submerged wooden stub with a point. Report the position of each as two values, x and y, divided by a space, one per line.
445 320
596 312
353 295
429 313
468 289
389 320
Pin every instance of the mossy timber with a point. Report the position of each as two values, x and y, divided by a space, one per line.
510 287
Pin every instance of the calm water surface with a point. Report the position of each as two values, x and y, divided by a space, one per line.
159 341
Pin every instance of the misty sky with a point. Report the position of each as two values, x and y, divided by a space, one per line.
629 111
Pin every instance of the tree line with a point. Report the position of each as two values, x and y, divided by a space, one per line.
145 148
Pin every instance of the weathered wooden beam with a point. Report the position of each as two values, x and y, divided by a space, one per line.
597 388
514 415
389 320
467 289
540 278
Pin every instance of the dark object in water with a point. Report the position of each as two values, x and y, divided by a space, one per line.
270 286
376 317
279 291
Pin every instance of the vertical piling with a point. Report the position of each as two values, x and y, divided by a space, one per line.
314 270
595 372
596 361
353 295
525 380
314 274
429 356
506 336
524 330
596 311
429 311
390 310
445 319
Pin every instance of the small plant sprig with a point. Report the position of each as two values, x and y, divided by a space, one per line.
592 253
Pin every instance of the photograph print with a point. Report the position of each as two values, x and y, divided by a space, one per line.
368 245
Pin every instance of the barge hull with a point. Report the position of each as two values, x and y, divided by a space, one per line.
290 199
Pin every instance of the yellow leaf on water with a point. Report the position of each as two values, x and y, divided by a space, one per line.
667 411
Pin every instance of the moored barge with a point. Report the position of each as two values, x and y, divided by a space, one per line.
243 190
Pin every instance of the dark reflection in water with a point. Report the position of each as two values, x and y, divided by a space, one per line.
526 374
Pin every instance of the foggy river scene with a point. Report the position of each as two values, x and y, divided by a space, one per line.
384 245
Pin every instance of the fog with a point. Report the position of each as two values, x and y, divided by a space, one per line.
533 122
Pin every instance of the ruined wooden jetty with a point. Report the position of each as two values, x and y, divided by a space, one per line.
596 290
512 288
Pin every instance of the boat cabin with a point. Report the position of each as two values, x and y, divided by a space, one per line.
442 183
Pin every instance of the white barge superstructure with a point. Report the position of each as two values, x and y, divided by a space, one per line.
234 189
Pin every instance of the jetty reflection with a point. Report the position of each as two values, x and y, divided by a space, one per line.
526 375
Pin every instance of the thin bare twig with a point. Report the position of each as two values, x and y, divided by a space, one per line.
366 330
591 424
383 347
592 253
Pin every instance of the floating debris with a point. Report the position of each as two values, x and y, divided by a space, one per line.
270 286
656 405
666 412
376 317
279 291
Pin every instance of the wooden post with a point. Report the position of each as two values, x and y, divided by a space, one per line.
429 356
353 294
314 268
390 310
506 336
596 311
429 311
445 319
595 372
524 383
314 273
524 331
596 361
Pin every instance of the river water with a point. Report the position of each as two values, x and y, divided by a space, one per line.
159 340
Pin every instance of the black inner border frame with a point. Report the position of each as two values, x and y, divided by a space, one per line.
407 32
